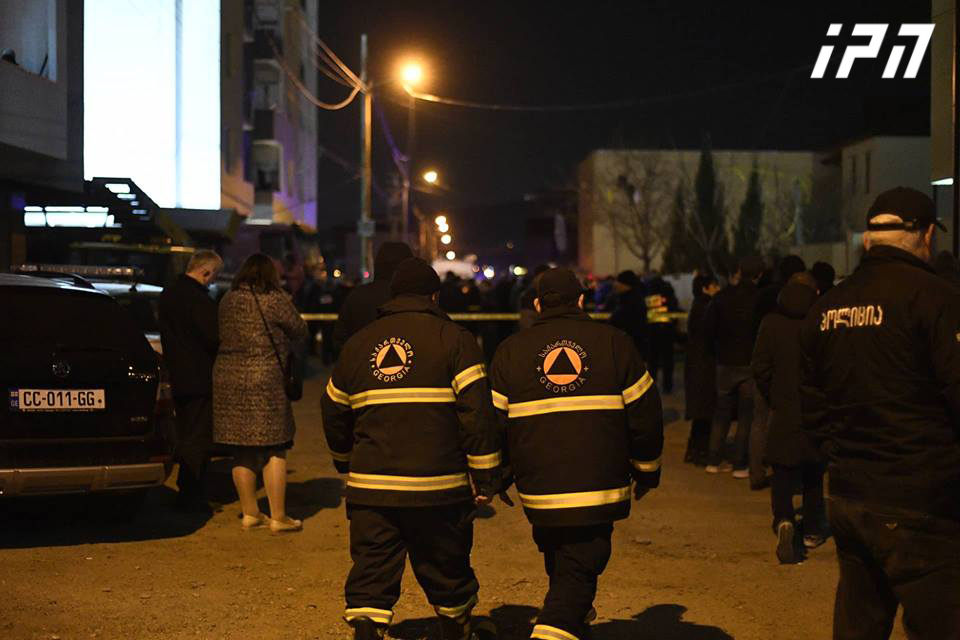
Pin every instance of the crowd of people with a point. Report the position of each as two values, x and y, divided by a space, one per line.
858 379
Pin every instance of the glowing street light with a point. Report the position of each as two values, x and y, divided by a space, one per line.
451 255
443 228
430 177
440 220
412 74
446 238
489 272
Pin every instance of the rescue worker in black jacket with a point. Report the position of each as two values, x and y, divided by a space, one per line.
189 333
407 414
582 418
881 392
360 307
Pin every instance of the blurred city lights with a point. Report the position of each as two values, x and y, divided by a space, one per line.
431 176
446 238
443 228
440 220
519 271
488 272
451 255
337 273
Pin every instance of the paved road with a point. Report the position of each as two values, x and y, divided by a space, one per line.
694 562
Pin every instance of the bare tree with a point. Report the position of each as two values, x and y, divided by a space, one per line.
786 207
637 207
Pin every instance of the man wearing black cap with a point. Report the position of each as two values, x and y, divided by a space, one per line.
360 307
407 414
881 396
583 419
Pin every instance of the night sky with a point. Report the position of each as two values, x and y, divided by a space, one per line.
738 72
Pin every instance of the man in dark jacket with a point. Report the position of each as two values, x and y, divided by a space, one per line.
407 413
699 373
730 331
360 307
190 338
630 312
582 418
661 300
881 392
776 369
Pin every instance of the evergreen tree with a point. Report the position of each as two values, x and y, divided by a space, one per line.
709 229
681 252
747 236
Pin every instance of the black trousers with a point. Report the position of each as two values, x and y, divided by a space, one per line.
660 353
194 439
574 558
438 539
892 556
735 390
698 443
785 480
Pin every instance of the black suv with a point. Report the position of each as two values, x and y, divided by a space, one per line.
81 382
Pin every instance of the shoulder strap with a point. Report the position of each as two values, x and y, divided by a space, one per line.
267 328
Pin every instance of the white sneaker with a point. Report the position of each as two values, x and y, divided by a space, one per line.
741 474
712 468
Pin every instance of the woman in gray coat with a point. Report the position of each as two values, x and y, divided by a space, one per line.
252 416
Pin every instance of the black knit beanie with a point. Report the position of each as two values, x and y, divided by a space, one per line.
414 276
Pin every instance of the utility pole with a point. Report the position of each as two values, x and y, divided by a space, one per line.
408 179
956 130
366 226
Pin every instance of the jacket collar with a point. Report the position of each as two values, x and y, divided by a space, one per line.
185 278
884 253
565 312
411 304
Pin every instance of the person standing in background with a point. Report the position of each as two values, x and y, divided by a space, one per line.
699 373
252 415
190 337
730 332
630 310
360 307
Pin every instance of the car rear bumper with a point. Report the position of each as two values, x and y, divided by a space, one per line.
81 479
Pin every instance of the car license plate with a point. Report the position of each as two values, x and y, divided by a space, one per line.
57 400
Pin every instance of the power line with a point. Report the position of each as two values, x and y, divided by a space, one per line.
328 55
597 106
305 91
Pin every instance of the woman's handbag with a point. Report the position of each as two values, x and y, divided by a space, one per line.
292 382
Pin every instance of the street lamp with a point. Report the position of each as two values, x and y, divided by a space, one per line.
440 220
451 255
430 177
446 238
411 74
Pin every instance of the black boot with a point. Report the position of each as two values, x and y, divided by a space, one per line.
454 629
367 629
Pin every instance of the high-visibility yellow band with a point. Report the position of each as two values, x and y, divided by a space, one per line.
489 461
456 612
546 632
647 466
407 483
336 395
402 395
380 616
571 403
340 457
467 377
500 401
637 389
574 500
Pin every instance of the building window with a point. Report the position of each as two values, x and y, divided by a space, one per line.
866 171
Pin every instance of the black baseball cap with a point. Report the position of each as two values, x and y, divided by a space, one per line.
915 208
558 286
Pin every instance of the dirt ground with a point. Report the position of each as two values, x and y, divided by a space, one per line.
694 562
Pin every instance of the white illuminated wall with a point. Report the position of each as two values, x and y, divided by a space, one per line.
132 93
